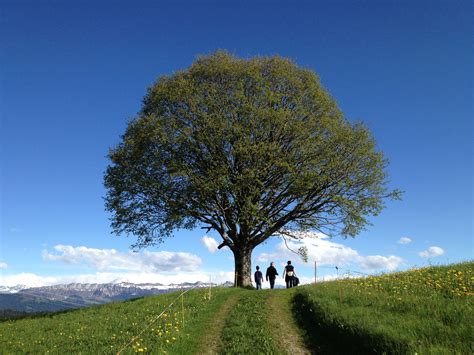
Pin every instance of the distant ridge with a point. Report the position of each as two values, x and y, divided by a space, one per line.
76 295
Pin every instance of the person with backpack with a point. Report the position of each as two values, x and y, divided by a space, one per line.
271 274
258 278
289 274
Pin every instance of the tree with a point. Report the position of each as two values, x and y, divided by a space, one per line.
248 148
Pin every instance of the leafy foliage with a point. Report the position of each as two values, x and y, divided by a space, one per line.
246 148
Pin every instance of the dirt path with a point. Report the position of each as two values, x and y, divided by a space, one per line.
212 340
285 331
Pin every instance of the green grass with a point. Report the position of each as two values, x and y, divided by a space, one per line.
425 311
107 328
246 330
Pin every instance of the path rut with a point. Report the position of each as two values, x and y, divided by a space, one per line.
285 331
212 341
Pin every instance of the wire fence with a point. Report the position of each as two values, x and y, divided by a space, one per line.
156 322
88 301
341 273
163 312
168 316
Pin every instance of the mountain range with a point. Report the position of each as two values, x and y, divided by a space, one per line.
75 295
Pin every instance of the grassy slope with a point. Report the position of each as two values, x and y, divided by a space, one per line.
246 330
107 328
280 319
426 311
211 341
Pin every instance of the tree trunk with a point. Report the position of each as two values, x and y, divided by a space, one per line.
243 267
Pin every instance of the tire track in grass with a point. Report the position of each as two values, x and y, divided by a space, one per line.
212 340
283 325
246 330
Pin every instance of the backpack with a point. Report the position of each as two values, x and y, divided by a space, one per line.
296 281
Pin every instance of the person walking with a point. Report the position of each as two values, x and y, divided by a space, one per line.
258 278
271 274
289 274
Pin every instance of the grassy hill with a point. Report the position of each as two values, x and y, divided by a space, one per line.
424 311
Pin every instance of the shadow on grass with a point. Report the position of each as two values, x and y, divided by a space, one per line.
326 335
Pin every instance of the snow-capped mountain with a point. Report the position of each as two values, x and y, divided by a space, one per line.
75 295
12 289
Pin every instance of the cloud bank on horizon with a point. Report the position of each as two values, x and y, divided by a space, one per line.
111 265
34 280
326 252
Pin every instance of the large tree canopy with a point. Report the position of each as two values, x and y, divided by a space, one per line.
247 148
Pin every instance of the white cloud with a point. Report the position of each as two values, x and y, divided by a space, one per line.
210 243
27 279
264 257
111 259
404 240
431 252
319 248
3 265
34 280
326 252
379 262
306 280
280 282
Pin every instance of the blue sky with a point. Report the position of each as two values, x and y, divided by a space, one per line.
73 74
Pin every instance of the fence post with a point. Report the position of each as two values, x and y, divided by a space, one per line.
315 271
210 287
182 310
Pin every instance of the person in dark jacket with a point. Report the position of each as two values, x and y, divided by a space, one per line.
271 274
289 274
258 278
